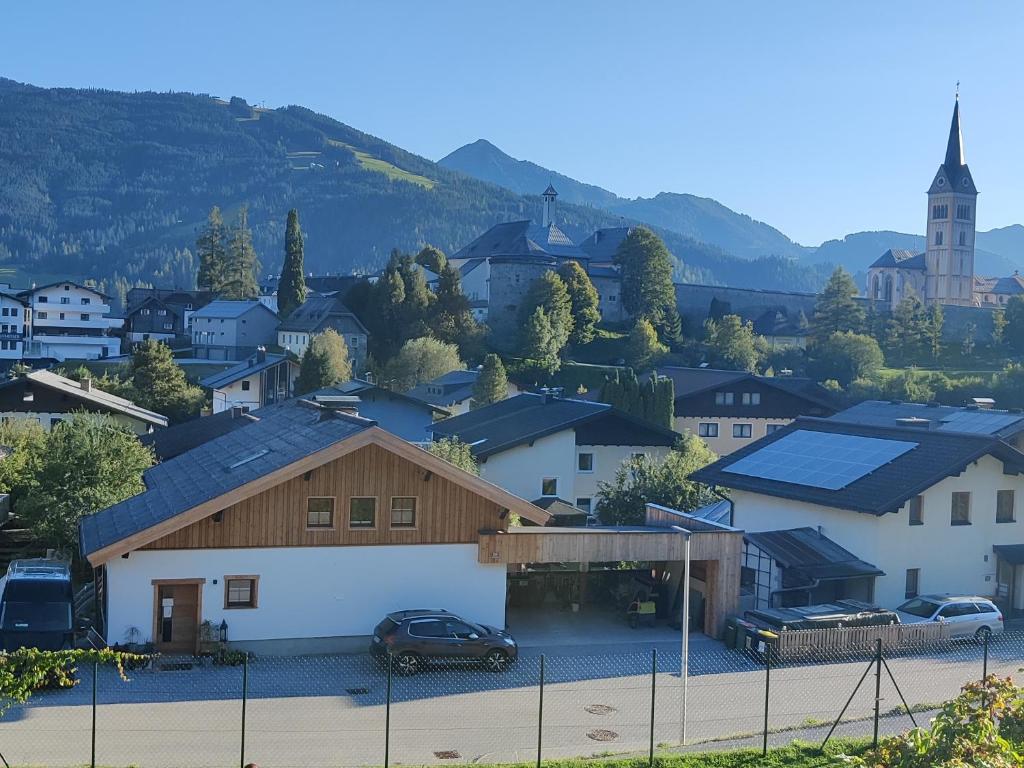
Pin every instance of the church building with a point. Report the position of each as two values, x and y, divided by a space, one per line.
944 272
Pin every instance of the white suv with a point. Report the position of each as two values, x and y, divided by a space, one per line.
966 615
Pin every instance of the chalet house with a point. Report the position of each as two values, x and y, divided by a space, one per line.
452 391
930 509
14 322
262 379
731 409
162 314
232 330
400 414
48 399
540 446
316 315
300 532
68 322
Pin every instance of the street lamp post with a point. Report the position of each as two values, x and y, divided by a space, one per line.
684 670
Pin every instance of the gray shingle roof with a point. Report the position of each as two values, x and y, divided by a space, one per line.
170 442
937 454
317 313
882 413
227 309
899 257
447 389
241 371
281 437
604 243
97 397
691 381
521 239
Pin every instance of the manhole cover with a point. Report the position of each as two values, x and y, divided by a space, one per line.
600 734
600 709
356 691
449 754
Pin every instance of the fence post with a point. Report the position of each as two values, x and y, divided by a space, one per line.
878 690
95 675
654 682
387 715
245 700
540 712
984 662
767 689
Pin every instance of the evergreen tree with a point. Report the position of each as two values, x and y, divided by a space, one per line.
491 385
1014 316
242 263
646 267
324 363
584 300
670 329
643 345
550 294
837 308
537 342
432 258
451 319
652 401
998 327
934 330
211 249
907 335
732 344
159 384
291 288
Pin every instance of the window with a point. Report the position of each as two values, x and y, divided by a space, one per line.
963 212
161 312
707 429
584 503
362 512
403 512
773 428
320 512
429 628
43 299
549 486
245 385
963 241
85 317
938 237
585 462
913 582
917 511
1004 507
67 287
40 315
240 591
65 300
167 326
751 398
960 510
953 610
742 430
725 398
940 211
87 300
54 421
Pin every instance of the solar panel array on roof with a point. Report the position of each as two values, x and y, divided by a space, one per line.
978 422
820 459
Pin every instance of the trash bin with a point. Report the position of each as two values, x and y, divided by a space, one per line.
729 636
745 631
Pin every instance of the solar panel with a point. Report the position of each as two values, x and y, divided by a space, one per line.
820 459
979 422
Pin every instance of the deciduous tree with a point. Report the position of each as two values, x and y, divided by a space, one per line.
421 360
732 344
550 294
643 346
432 258
324 363
456 452
646 267
845 356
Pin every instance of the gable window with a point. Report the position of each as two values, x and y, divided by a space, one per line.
1004 507
707 429
86 300
245 385
403 512
362 512
773 428
320 512
549 486
742 430
161 312
913 583
240 591
751 398
960 509
585 462
43 299
725 398
40 315
916 508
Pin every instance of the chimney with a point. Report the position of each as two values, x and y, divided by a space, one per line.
261 354
86 384
237 411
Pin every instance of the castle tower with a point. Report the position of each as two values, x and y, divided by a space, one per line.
549 196
949 254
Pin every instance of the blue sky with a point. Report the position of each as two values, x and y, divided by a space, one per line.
820 118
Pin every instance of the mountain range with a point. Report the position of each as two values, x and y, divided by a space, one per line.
115 186
998 251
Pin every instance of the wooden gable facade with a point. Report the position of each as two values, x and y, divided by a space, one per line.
445 512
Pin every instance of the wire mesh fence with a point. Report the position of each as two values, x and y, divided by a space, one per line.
349 711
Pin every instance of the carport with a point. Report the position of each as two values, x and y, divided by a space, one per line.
579 560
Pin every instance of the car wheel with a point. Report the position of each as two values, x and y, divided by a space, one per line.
496 660
407 663
983 633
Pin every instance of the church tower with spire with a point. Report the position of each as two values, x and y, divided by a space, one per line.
949 253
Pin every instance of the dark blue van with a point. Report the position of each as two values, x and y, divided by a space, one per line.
37 606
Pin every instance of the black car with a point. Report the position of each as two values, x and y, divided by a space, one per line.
36 606
412 638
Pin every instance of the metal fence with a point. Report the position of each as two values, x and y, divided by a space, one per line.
348 711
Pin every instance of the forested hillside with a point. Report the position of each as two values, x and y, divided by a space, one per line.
115 186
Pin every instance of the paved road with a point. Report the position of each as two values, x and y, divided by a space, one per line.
330 711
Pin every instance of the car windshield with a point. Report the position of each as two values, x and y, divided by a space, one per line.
919 607
36 617
37 591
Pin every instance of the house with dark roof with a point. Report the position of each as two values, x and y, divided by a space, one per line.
164 314
540 445
996 291
452 391
927 506
782 328
731 409
232 330
259 380
48 399
176 440
316 315
400 414
276 529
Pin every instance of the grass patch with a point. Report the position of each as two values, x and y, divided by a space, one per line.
607 348
375 164
571 376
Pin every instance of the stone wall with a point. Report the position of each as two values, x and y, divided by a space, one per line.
510 280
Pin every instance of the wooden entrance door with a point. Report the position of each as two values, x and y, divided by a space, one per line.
176 616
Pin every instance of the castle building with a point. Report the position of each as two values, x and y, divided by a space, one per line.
944 272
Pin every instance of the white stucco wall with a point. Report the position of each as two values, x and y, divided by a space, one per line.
725 443
607 460
311 592
951 558
231 395
521 470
